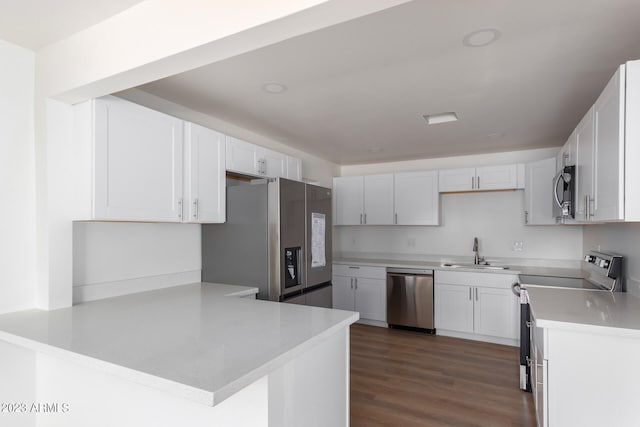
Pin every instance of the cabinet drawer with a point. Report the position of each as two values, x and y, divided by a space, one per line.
356 270
494 280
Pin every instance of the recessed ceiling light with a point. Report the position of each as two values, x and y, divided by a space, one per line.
433 119
274 87
481 38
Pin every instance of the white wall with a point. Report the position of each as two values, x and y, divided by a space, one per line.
496 218
623 239
117 258
17 182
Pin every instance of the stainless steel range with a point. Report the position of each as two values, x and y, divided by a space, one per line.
600 272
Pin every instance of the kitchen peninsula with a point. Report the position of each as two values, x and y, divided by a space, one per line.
196 354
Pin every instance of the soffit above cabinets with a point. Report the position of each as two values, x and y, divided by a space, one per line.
357 92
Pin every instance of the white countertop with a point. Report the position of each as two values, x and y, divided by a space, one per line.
534 270
188 340
602 312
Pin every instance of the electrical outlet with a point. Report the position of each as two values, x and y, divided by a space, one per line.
518 246
411 242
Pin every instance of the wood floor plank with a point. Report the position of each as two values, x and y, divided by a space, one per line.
404 378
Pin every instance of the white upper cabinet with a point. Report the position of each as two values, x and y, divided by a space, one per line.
584 167
241 156
294 168
417 201
478 179
632 142
138 161
360 200
567 154
605 146
463 179
204 175
378 199
608 159
538 203
348 200
497 177
146 165
271 163
409 198
250 159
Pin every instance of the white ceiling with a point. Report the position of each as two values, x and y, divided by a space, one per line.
357 91
36 23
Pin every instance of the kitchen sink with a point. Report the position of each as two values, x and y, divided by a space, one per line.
478 266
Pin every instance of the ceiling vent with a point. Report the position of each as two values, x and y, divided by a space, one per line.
434 119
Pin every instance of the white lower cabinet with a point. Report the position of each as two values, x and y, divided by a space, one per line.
362 289
477 306
539 369
584 375
453 307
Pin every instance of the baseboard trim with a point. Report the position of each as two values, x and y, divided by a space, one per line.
373 323
96 291
477 337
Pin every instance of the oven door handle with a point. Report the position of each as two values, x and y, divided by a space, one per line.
515 288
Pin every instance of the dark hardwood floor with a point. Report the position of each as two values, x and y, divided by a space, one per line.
404 378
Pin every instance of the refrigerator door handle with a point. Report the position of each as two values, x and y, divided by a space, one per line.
301 264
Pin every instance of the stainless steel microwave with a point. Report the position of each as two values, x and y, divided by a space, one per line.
564 194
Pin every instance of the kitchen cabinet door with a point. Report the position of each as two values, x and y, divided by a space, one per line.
608 115
274 164
348 200
241 156
138 163
584 167
497 177
205 175
457 179
538 196
567 154
378 199
343 293
496 312
417 201
453 307
371 298
294 168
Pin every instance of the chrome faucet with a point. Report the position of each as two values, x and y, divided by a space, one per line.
476 256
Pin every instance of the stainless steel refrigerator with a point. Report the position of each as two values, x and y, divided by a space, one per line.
277 237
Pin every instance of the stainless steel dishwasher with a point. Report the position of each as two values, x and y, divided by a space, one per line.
410 298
